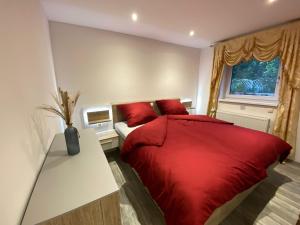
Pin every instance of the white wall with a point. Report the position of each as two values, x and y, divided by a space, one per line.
112 67
205 69
206 61
27 79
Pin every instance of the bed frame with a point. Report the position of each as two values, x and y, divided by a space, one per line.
220 213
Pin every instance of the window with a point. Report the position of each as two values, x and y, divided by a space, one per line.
254 80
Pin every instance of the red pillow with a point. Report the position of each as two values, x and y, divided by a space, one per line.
171 107
137 113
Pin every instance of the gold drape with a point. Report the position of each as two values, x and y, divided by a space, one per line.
282 41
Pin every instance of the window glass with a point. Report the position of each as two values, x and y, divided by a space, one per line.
255 78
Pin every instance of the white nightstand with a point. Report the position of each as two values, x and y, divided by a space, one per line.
109 141
192 111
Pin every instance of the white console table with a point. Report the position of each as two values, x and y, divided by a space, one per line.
76 189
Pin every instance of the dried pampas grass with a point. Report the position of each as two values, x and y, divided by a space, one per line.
66 106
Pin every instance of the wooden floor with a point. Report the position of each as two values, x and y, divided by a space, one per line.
274 202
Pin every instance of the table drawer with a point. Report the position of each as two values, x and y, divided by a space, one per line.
109 143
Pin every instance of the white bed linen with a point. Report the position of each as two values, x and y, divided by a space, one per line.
123 130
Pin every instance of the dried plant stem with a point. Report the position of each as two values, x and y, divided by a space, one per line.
65 104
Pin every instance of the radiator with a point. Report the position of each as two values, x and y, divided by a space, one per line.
243 120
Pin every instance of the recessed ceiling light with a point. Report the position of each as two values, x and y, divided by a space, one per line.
192 33
271 1
134 17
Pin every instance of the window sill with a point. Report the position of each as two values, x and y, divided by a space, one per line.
272 104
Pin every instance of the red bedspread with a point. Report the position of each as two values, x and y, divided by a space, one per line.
194 164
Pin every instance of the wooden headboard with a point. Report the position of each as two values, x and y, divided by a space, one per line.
117 116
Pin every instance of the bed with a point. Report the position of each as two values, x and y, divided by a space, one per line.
218 213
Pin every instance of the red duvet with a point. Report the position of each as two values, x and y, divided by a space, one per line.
194 164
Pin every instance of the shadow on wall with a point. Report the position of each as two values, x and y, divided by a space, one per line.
39 136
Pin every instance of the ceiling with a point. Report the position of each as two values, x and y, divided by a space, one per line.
171 20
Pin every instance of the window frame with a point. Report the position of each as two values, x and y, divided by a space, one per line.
228 96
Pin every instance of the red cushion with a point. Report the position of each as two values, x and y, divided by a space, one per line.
137 113
171 107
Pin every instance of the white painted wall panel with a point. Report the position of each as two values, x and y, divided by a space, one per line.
112 67
27 79
206 60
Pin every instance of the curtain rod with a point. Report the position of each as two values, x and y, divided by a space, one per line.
255 31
